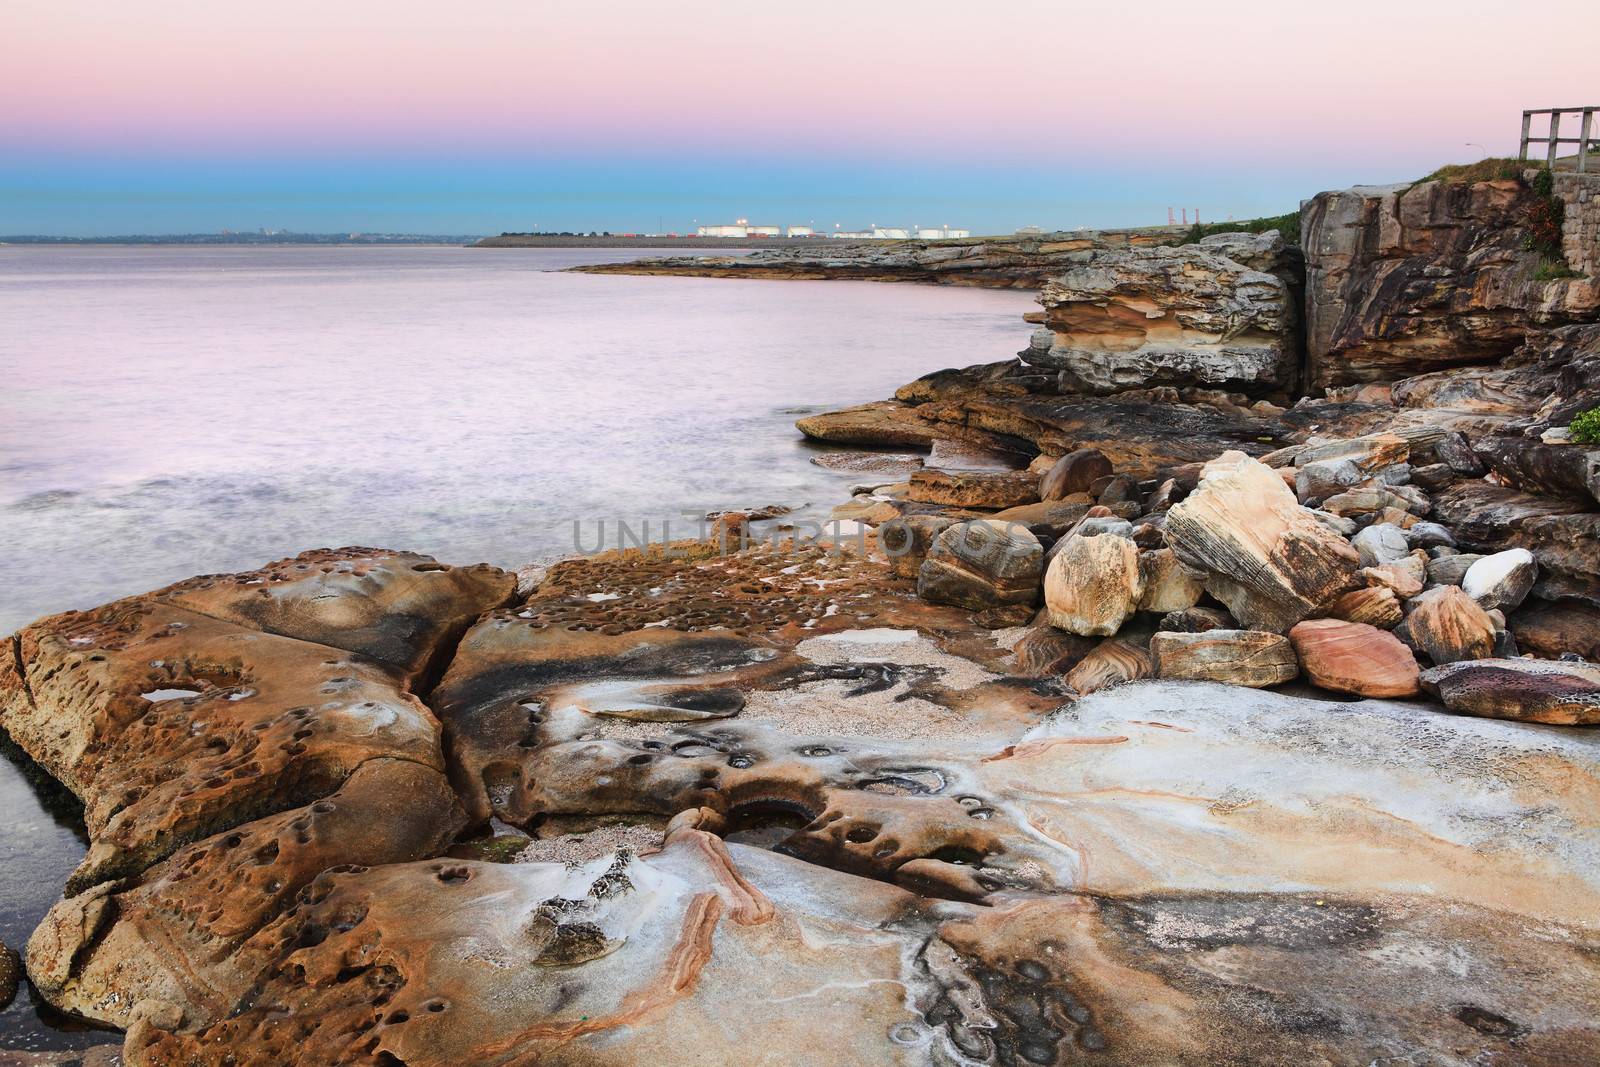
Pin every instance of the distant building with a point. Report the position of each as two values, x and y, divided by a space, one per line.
740 228
1030 231
890 233
940 233
852 235
801 231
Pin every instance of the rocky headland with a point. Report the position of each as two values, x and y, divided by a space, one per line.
1018 262
1213 690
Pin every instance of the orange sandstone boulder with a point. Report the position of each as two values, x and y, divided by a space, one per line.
1448 625
1352 657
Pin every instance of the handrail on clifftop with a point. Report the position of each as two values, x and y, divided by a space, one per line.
1583 140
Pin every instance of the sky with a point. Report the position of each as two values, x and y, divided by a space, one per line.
133 116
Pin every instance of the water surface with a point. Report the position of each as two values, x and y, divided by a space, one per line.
174 411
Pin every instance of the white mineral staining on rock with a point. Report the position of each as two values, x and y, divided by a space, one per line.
1502 580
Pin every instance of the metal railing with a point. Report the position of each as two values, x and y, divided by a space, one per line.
1554 140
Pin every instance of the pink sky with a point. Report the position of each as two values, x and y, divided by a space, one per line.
473 116
1005 79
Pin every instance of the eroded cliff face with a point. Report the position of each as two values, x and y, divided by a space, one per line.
1220 314
1405 279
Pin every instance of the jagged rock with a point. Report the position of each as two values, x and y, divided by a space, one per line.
1093 585
1045 651
1112 663
1449 570
982 564
1564 694
1252 658
1552 630
10 973
1411 278
1269 560
1448 625
973 489
1351 657
1502 580
1562 534
1381 544
1457 453
1375 605
1168 586
1073 473
1197 620
1220 313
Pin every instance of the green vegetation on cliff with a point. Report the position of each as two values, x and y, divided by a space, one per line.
1494 169
1288 225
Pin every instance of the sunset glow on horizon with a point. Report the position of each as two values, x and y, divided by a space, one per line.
147 118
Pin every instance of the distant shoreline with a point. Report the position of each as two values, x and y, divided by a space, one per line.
719 244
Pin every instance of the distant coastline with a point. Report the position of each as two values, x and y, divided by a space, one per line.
248 239
534 240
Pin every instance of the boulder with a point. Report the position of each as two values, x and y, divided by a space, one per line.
1222 313
1093 585
1325 478
1268 559
1527 690
973 489
1375 605
1404 577
1448 625
907 540
1113 662
1449 570
1552 630
1422 534
1252 658
982 564
1168 586
1352 657
1381 544
1074 472
1502 580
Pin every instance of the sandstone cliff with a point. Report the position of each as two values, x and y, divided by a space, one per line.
1405 279
1221 314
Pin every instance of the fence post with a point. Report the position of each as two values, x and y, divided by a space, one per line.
1527 119
1555 134
1583 139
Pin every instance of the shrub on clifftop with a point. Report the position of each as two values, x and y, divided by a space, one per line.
1586 427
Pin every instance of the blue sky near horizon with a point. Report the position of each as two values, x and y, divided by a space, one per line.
623 115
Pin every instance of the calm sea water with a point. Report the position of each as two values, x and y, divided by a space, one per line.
166 412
